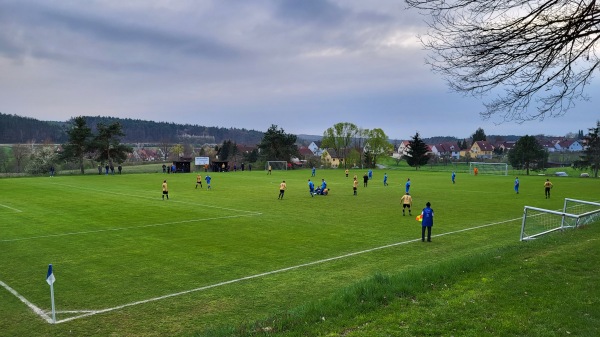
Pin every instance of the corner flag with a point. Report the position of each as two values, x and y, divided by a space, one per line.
50 280
50 277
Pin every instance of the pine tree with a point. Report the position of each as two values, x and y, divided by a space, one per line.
417 152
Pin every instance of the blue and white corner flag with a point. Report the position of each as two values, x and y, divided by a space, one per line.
50 277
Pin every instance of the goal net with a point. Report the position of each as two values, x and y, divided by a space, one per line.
587 211
488 168
539 221
276 165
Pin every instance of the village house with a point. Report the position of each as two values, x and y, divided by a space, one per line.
482 150
446 150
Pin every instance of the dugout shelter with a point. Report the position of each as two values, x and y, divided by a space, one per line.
183 165
217 166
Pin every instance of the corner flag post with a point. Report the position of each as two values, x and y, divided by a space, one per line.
50 280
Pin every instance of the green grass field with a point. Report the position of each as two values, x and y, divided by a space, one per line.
128 263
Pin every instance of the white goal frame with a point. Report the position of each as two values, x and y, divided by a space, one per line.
489 168
568 218
276 165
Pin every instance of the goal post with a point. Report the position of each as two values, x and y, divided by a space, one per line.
539 221
588 211
277 165
488 168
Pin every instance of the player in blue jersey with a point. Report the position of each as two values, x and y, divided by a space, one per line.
311 188
207 178
427 223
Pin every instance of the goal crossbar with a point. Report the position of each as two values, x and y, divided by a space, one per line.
276 165
488 168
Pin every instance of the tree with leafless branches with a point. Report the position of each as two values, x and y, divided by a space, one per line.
534 58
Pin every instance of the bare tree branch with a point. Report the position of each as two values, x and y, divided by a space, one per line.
522 53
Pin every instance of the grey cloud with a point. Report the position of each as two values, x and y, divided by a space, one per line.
65 29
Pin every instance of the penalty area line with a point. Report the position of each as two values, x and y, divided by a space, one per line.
146 197
277 271
12 208
131 228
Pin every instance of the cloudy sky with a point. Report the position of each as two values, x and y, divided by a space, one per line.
302 65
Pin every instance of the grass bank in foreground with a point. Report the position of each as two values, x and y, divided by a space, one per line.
546 287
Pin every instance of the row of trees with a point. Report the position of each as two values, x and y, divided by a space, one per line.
104 147
356 145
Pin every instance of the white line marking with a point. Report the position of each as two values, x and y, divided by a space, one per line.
14 209
249 213
129 228
155 198
35 309
95 312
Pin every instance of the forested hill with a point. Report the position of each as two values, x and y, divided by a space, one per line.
18 130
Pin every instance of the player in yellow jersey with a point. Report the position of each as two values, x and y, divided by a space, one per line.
547 188
165 190
406 203
198 181
282 188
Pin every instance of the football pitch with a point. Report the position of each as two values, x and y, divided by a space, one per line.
127 262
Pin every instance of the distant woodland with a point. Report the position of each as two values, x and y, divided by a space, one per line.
19 130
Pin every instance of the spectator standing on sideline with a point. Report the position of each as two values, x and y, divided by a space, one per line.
517 185
365 180
120 168
106 168
355 185
164 168
165 190
282 188
311 188
99 169
207 178
52 171
406 203
407 186
427 223
453 177
547 187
